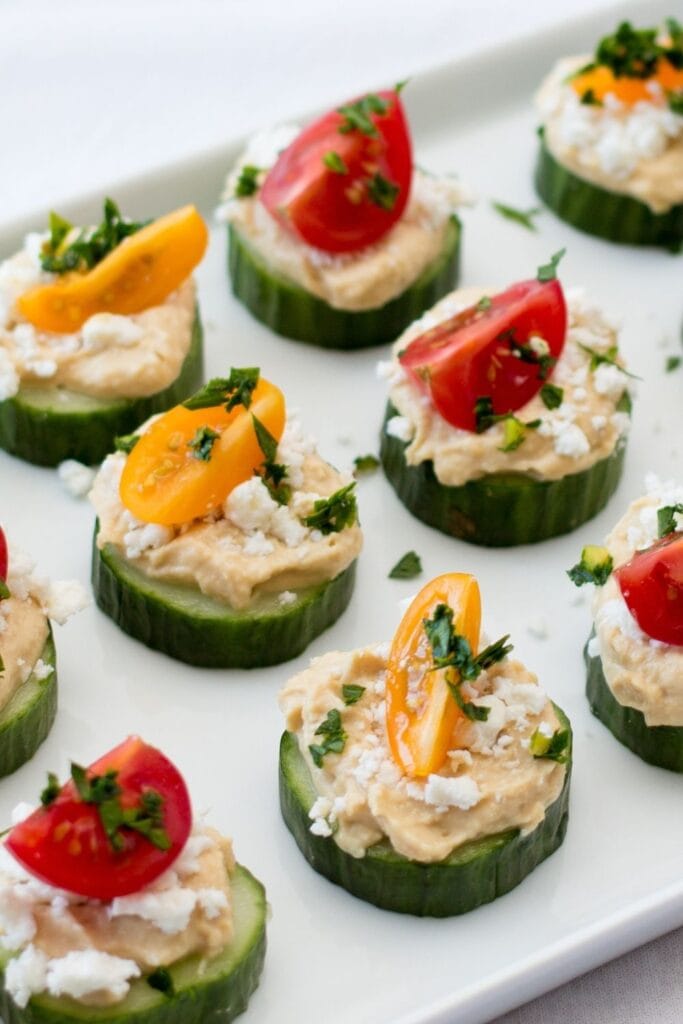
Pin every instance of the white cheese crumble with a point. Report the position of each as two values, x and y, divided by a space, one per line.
169 910
41 670
461 791
144 536
86 971
77 478
286 598
105 329
609 380
400 427
25 975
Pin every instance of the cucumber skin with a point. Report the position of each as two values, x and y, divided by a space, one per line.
598 211
216 1003
660 745
476 874
501 509
289 310
224 639
22 733
46 436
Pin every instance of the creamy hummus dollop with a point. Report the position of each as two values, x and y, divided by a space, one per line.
251 549
636 150
584 429
354 281
90 950
490 782
642 673
111 356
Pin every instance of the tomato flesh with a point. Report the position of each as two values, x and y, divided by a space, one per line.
65 844
334 210
652 586
4 557
476 353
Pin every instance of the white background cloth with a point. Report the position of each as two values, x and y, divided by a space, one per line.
95 90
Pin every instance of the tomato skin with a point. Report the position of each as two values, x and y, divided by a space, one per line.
652 586
65 844
333 211
4 556
469 356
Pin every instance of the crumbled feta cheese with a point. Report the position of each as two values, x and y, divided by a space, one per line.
545 730
42 367
25 975
41 670
212 902
188 860
399 427
77 478
85 971
142 538
287 528
615 613
286 598
609 380
320 827
570 440
105 329
250 507
63 599
594 647
168 910
461 791
258 544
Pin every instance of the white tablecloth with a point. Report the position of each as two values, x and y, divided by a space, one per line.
95 90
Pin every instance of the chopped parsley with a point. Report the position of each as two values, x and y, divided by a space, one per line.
365 464
675 101
666 519
551 748
147 818
247 182
624 404
535 350
126 442
548 272
202 443
4 590
358 116
595 566
514 430
51 791
407 567
383 192
672 363
630 52
334 737
237 389
334 162
552 396
90 246
352 693
273 473
589 99
400 86
333 514
484 304
161 980
608 358
523 217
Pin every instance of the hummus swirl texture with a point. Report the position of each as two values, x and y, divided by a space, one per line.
22 638
110 357
583 430
363 797
642 673
637 151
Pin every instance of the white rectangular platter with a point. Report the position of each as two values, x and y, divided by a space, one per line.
616 882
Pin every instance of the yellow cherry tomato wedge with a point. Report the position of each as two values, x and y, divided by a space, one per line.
601 80
165 482
421 713
139 273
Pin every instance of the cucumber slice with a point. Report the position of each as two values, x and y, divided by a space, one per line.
471 875
290 310
501 509
597 211
187 625
661 745
47 425
206 991
27 718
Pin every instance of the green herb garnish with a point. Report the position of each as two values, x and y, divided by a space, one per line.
484 304
357 116
595 566
514 430
333 514
535 351
103 791
90 245
334 162
552 396
352 693
4 590
51 791
666 519
675 101
607 358
624 404
630 52
247 182
273 473
202 443
365 464
672 363
382 191
551 748
407 568
590 99
126 442
548 272
522 217
237 389
161 980
334 737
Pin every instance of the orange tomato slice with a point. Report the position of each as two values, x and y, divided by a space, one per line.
601 80
139 273
164 482
421 713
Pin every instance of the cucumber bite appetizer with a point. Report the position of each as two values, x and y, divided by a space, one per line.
99 329
334 237
611 159
634 657
28 666
508 413
114 906
429 777
224 539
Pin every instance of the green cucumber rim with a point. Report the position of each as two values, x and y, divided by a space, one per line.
26 719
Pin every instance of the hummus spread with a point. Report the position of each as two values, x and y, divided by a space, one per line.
635 150
23 632
355 281
110 357
185 912
584 429
642 673
251 548
490 782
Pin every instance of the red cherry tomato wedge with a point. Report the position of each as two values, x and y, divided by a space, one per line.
4 556
345 180
652 585
484 351
65 843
